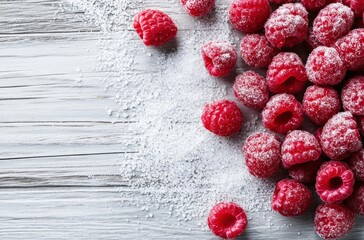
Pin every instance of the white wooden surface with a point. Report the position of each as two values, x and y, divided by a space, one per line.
59 172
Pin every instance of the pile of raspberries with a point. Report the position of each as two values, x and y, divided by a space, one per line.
327 90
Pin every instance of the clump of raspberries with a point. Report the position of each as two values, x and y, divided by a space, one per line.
312 110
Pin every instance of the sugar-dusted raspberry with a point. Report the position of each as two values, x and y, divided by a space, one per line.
249 16
223 118
198 8
291 198
332 22
154 27
287 26
227 220
351 49
356 201
251 89
286 73
281 1
352 96
320 104
305 172
356 164
262 154
257 51
340 136
361 124
325 67
333 221
312 41
283 113
299 147
334 182
219 58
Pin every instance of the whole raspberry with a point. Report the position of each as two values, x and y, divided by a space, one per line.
312 41
223 118
249 16
262 154
287 26
281 1
257 51
227 220
356 201
332 22
286 73
198 8
305 172
334 182
352 96
325 67
291 198
333 221
356 164
320 104
340 136
219 58
351 49
154 27
299 147
251 89
283 113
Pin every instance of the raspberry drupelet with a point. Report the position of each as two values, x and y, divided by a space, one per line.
198 8
356 201
352 96
356 164
305 172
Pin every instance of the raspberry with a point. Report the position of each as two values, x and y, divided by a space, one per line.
356 164
325 67
299 147
198 8
262 154
283 113
357 6
227 220
219 57
286 73
291 198
333 22
154 27
251 89
333 221
305 172
257 51
340 136
320 104
312 41
356 201
313 5
223 118
351 49
352 95
249 16
281 1
287 26
334 182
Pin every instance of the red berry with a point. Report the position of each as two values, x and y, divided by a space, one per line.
312 41
356 164
219 58
287 26
154 27
281 1
286 73
320 104
305 172
291 198
283 113
357 6
325 67
313 5
352 96
262 154
334 182
198 8
356 201
223 118
333 22
249 16
340 136
333 221
251 89
351 49
257 51
300 147
227 220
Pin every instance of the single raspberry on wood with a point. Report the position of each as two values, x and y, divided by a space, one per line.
154 27
356 164
352 96
356 201
305 172
227 220
198 8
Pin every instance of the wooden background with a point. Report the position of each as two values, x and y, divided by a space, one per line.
59 172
